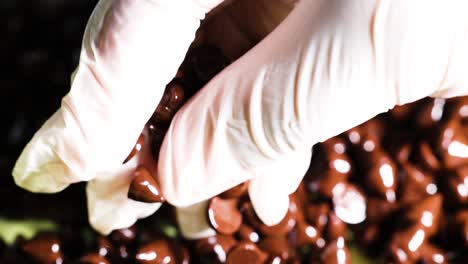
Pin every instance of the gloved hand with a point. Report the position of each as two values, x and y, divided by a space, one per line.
329 66
113 94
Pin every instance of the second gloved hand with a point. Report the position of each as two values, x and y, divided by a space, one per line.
329 66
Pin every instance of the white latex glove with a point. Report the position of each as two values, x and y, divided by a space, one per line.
131 50
329 66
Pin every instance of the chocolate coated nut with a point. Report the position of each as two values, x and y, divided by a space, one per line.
224 215
335 156
215 248
426 213
144 187
136 148
93 258
124 236
326 182
247 233
335 227
235 192
283 227
336 252
276 246
162 251
45 248
245 253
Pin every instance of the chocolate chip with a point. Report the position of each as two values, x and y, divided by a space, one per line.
406 243
276 246
426 213
382 175
45 248
124 236
427 157
457 185
171 101
215 248
245 253
93 258
417 184
335 227
247 233
349 203
224 215
432 254
235 192
283 227
317 215
452 145
304 234
336 252
136 148
162 251
144 187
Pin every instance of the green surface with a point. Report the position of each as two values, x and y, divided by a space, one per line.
10 229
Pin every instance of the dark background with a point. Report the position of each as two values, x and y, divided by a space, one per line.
40 43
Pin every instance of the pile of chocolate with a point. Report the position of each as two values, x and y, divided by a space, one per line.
406 169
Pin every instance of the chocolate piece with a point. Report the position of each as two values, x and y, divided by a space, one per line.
44 248
276 246
136 148
124 236
381 175
417 185
457 185
335 227
452 145
427 157
235 192
432 255
430 112
336 252
104 247
349 203
93 258
215 248
426 213
224 215
317 215
283 227
303 234
171 101
245 253
144 187
403 153
336 157
162 251
405 244
379 210
247 233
